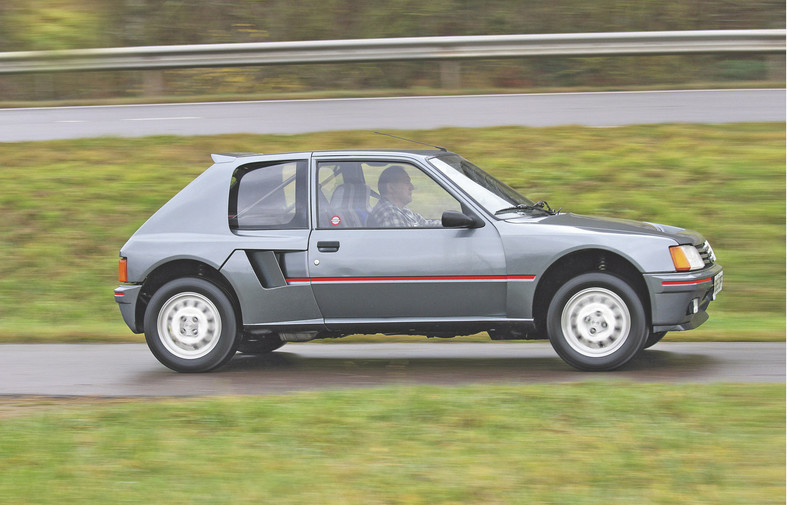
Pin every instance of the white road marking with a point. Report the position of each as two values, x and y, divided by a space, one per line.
160 118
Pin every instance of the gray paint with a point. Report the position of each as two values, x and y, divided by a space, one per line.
267 305
467 276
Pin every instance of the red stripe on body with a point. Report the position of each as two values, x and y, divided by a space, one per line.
685 283
417 278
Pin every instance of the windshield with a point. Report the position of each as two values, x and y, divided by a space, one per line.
488 191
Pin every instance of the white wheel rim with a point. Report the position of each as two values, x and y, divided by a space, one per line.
189 325
596 322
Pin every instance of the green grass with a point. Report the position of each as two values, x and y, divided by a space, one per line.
68 207
594 443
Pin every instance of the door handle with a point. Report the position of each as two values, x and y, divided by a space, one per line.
328 246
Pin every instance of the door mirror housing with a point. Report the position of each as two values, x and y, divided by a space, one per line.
454 219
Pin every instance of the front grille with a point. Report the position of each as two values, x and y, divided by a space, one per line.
706 253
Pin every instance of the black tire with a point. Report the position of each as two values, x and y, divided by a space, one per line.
596 322
653 338
190 325
262 344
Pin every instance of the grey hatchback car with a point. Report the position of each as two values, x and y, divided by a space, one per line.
260 250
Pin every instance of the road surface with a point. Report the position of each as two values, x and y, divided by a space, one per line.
304 116
128 370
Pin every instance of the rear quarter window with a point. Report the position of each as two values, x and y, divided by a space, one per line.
271 196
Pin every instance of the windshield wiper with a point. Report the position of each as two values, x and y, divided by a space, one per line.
541 205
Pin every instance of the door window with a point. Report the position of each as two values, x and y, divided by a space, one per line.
372 194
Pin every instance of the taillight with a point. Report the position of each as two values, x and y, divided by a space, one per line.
122 273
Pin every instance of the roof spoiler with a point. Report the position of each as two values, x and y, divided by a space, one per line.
228 157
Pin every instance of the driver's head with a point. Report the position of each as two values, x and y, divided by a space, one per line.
394 184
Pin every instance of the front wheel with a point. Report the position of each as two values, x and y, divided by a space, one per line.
596 322
190 325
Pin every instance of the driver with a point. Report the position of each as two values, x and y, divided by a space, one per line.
396 191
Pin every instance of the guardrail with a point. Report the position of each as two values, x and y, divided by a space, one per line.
410 48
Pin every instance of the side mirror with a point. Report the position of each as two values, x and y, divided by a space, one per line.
454 219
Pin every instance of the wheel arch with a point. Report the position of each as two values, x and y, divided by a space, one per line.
579 262
178 269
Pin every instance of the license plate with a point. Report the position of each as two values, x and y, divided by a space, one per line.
717 285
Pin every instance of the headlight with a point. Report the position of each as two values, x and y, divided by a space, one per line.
685 258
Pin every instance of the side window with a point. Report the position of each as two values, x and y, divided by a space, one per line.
344 198
274 196
429 199
375 194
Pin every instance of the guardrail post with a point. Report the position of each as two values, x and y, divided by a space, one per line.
152 83
451 77
44 88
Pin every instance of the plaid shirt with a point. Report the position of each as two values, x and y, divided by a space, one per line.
387 215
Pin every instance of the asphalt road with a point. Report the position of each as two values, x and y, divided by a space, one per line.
125 370
303 116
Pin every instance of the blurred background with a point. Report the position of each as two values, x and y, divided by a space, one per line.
27 25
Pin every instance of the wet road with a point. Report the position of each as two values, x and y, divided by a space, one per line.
425 112
130 370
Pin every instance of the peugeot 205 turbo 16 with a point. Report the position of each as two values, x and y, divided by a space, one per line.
260 250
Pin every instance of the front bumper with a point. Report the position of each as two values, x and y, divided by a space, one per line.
679 300
126 297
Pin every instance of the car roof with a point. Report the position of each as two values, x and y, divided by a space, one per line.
417 152
241 157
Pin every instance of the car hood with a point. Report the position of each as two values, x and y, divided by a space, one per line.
615 225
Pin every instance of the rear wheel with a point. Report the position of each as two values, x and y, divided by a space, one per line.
596 322
190 325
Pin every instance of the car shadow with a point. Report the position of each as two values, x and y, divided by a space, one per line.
343 367
650 365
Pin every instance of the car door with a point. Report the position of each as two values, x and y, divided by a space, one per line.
361 269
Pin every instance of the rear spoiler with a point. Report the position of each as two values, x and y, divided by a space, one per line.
229 157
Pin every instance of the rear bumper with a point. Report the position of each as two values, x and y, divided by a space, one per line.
126 297
679 300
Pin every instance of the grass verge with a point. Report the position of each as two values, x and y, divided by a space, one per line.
68 207
590 443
